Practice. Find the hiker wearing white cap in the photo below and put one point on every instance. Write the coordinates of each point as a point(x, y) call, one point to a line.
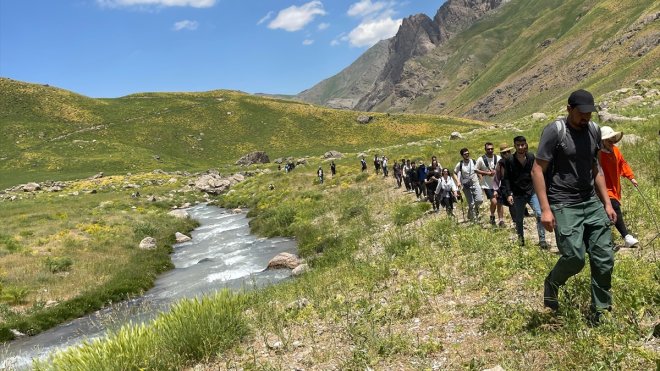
point(614, 167)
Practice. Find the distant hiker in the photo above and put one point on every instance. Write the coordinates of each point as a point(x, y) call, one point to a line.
point(501, 192)
point(398, 172)
point(383, 162)
point(279, 167)
point(614, 167)
point(466, 178)
point(414, 179)
point(486, 168)
point(363, 163)
point(406, 175)
point(447, 192)
point(421, 178)
point(333, 169)
point(435, 164)
point(518, 183)
point(431, 184)
point(377, 164)
point(568, 184)
point(319, 173)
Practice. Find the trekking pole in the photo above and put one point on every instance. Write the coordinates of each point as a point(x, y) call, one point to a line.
point(655, 223)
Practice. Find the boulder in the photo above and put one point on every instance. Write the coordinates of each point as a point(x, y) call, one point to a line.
point(180, 237)
point(237, 211)
point(364, 119)
point(455, 135)
point(284, 260)
point(539, 116)
point(299, 270)
point(257, 157)
point(635, 99)
point(181, 214)
point(97, 176)
point(301, 161)
point(31, 187)
point(212, 183)
point(148, 243)
point(333, 154)
point(630, 139)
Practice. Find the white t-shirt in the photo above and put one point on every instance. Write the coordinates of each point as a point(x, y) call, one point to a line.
point(487, 180)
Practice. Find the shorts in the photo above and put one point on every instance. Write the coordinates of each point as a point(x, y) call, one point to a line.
point(490, 193)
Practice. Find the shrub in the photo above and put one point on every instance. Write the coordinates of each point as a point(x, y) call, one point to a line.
point(56, 265)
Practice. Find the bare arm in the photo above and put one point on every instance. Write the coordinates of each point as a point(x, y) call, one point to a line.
point(547, 218)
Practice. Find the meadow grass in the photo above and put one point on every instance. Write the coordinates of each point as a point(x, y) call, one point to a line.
point(392, 287)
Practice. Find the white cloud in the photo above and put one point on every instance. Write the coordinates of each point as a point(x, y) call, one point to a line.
point(370, 32)
point(185, 25)
point(323, 26)
point(165, 3)
point(307, 42)
point(294, 18)
point(266, 17)
point(365, 7)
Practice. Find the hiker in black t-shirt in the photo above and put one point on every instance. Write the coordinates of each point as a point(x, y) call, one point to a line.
point(574, 202)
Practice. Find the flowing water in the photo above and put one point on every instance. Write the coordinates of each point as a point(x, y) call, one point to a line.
point(222, 254)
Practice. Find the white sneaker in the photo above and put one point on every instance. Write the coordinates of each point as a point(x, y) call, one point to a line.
point(630, 241)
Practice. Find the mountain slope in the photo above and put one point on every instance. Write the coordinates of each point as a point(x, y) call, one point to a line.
point(345, 89)
point(501, 60)
point(49, 132)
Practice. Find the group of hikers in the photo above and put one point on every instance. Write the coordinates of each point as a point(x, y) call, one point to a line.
point(572, 185)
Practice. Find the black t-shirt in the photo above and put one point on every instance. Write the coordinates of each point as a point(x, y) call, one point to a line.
point(569, 177)
point(432, 180)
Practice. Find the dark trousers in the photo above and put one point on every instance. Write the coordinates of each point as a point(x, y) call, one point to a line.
point(620, 225)
point(581, 229)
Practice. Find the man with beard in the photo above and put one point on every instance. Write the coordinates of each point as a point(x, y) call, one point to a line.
point(574, 203)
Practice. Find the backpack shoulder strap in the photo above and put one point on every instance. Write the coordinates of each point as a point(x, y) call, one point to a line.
point(485, 161)
point(560, 124)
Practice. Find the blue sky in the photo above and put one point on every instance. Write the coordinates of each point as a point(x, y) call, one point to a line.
point(111, 48)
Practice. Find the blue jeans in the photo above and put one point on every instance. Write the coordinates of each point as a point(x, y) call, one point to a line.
point(519, 203)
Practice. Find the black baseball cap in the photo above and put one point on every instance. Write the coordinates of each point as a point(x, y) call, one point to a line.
point(583, 100)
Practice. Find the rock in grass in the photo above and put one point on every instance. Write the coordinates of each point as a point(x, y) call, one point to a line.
point(284, 260)
point(302, 268)
point(181, 214)
point(148, 243)
point(180, 237)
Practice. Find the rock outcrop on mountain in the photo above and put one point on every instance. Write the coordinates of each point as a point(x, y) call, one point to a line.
point(488, 59)
point(373, 77)
point(345, 89)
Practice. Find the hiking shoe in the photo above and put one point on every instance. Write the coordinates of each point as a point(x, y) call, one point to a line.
point(630, 241)
point(492, 219)
point(550, 291)
point(544, 245)
point(502, 224)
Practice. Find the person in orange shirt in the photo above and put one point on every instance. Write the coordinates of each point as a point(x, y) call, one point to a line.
point(614, 167)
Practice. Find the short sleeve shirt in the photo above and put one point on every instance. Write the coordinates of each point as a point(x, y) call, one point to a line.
point(569, 178)
point(487, 180)
point(466, 171)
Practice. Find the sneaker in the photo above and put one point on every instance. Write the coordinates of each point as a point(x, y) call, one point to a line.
point(550, 291)
point(502, 224)
point(544, 245)
point(630, 241)
point(492, 219)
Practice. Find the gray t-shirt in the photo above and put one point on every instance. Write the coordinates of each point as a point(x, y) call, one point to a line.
point(569, 178)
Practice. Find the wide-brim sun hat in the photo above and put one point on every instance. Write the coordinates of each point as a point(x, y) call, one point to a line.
point(505, 148)
point(607, 132)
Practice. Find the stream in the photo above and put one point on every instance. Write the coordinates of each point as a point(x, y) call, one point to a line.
point(221, 254)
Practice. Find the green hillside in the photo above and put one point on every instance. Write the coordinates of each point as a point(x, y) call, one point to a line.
point(49, 133)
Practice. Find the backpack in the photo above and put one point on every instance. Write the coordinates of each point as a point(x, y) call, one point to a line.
point(560, 124)
point(474, 163)
point(486, 161)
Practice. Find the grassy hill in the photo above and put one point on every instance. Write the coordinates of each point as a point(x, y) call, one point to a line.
point(392, 286)
point(49, 133)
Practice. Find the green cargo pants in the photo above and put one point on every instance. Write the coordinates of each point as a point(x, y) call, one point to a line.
point(585, 227)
